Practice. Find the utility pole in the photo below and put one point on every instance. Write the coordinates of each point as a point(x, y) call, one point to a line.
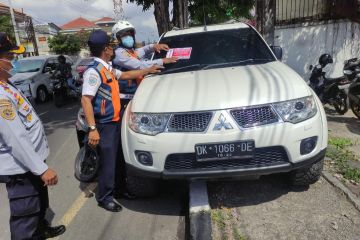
point(14, 23)
point(118, 10)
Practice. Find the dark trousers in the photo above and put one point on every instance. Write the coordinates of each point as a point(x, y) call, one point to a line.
point(29, 200)
point(108, 151)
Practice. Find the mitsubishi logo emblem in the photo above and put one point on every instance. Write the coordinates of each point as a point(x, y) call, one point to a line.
point(222, 123)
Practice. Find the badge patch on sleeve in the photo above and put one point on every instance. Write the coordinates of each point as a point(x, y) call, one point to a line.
point(8, 113)
point(93, 80)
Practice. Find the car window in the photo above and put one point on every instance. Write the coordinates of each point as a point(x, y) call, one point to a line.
point(217, 49)
point(52, 63)
point(28, 65)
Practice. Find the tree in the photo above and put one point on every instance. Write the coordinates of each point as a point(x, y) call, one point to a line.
point(6, 26)
point(214, 11)
point(65, 44)
point(219, 11)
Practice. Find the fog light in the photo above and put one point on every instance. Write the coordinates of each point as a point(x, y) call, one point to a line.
point(307, 145)
point(144, 158)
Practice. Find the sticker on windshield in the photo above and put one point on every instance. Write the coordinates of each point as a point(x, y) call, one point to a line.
point(180, 53)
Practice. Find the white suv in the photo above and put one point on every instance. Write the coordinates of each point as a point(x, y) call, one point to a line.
point(232, 109)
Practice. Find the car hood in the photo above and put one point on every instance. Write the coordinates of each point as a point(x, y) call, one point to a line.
point(18, 77)
point(220, 88)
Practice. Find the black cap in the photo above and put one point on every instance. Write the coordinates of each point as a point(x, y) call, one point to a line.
point(100, 38)
point(7, 46)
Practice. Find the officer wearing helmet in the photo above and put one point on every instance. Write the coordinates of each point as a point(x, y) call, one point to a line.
point(102, 108)
point(23, 150)
point(129, 58)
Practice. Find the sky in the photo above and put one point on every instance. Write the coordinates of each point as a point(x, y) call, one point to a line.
point(63, 11)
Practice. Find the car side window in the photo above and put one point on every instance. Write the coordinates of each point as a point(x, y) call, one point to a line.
point(50, 64)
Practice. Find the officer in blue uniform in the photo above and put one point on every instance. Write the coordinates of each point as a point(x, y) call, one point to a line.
point(23, 150)
point(102, 108)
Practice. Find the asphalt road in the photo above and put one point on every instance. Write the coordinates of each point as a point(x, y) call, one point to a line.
point(74, 204)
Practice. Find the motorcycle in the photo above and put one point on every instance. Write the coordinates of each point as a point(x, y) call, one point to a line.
point(62, 93)
point(331, 91)
point(352, 72)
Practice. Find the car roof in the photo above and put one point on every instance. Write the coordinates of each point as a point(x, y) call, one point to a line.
point(209, 28)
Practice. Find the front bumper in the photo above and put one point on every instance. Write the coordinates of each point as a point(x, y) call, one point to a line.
point(221, 173)
point(173, 153)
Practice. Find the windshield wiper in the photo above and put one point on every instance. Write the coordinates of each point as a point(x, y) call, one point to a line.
point(230, 64)
point(193, 66)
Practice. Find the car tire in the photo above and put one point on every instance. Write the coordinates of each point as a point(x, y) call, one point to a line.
point(307, 176)
point(142, 187)
point(42, 95)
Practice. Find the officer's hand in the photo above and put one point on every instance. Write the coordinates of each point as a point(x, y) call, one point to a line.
point(159, 47)
point(170, 60)
point(94, 138)
point(154, 69)
point(49, 177)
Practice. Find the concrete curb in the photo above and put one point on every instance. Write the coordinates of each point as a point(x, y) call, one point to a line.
point(339, 185)
point(199, 212)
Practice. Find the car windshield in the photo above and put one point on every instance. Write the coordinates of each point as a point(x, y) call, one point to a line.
point(216, 49)
point(26, 65)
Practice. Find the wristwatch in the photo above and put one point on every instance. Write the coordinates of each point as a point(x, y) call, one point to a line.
point(92, 128)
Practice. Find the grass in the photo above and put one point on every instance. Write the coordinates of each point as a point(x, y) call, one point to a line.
point(339, 153)
point(224, 221)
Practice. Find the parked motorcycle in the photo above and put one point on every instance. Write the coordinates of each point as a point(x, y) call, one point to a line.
point(330, 90)
point(62, 93)
point(352, 72)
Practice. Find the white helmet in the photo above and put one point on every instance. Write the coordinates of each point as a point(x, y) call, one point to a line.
point(121, 26)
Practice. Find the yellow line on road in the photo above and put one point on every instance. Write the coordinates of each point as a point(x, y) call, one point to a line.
point(76, 206)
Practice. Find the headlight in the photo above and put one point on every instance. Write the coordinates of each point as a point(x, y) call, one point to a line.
point(148, 123)
point(297, 110)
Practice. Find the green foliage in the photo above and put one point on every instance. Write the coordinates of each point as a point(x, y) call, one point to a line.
point(6, 26)
point(219, 11)
point(338, 152)
point(339, 142)
point(83, 37)
point(65, 44)
point(146, 4)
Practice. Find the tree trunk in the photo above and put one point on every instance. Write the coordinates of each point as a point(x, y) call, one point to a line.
point(181, 14)
point(265, 19)
point(162, 16)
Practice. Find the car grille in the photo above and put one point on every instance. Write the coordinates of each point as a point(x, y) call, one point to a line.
point(250, 117)
point(189, 122)
point(263, 157)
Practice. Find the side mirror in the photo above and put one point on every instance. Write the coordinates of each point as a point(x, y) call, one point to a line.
point(277, 51)
point(47, 69)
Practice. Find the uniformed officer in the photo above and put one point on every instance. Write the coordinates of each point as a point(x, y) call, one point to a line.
point(101, 105)
point(23, 150)
point(129, 58)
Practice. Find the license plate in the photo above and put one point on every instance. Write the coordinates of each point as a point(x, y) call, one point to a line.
point(229, 150)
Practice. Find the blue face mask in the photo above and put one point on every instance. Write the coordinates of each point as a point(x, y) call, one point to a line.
point(128, 41)
point(14, 64)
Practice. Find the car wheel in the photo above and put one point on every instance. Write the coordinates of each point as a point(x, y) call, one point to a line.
point(142, 187)
point(307, 176)
point(42, 95)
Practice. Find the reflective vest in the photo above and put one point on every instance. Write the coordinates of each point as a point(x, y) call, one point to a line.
point(106, 102)
point(134, 55)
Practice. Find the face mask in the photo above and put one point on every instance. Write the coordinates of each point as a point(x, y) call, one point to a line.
point(14, 65)
point(128, 41)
